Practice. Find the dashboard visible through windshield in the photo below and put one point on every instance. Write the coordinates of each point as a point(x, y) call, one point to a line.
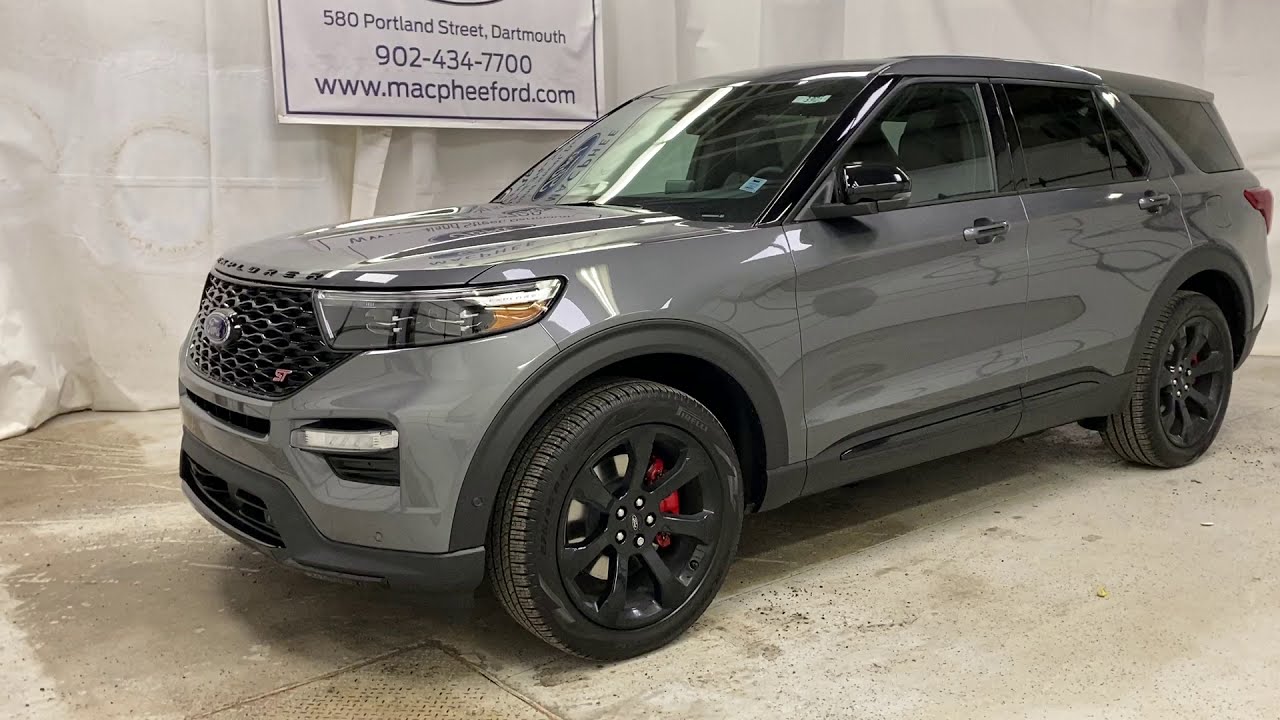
point(718, 154)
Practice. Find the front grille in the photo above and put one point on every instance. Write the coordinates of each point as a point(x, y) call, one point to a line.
point(275, 336)
point(236, 506)
point(247, 423)
point(373, 468)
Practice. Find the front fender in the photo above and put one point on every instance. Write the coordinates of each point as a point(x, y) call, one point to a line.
point(582, 359)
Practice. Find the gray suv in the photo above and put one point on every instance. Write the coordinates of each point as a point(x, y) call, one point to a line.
point(722, 296)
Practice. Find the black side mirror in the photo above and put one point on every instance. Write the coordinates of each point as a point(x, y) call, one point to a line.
point(865, 188)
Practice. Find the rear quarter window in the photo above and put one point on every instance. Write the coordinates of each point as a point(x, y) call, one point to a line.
point(1193, 125)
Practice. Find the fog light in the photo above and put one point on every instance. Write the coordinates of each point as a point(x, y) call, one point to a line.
point(345, 441)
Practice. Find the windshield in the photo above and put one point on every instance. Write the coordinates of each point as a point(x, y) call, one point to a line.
point(710, 154)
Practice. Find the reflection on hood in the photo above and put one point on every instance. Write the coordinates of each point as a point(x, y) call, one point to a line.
point(453, 244)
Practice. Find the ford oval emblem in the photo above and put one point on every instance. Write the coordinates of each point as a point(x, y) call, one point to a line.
point(219, 329)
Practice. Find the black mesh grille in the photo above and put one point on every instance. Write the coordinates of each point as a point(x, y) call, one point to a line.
point(236, 506)
point(248, 423)
point(275, 336)
point(374, 469)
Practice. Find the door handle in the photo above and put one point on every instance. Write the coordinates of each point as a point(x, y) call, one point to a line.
point(1152, 201)
point(984, 231)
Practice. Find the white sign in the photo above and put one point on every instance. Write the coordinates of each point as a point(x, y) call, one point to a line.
point(437, 63)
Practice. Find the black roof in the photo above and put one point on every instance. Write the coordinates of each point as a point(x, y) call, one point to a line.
point(958, 66)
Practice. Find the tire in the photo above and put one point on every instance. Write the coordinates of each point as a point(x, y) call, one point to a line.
point(1172, 376)
point(550, 518)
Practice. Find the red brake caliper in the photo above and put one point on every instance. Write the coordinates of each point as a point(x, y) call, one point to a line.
point(670, 505)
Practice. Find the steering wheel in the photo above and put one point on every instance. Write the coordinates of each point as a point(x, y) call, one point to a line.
point(767, 170)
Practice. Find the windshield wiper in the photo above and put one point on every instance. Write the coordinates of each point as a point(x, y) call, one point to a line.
point(588, 203)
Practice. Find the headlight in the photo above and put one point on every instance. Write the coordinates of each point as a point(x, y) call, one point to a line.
point(379, 320)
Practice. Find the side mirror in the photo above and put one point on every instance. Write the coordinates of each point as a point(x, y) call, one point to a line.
point(865, 188)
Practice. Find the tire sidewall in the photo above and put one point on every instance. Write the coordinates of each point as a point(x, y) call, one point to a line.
point(543, 524)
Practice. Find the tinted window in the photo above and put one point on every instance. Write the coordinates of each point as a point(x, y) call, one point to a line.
point(1127, 159)
point(710, 153)
point(935, 132)
point(1062, 137)
point(1192, 126)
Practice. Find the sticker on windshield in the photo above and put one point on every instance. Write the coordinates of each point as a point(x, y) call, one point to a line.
point(810, 99)
point(754, 184)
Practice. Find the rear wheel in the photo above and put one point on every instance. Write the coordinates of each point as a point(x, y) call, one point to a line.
point(617, 520)
point(1180, 389)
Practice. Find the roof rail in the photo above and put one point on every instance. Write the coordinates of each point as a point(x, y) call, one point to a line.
point(966, 66)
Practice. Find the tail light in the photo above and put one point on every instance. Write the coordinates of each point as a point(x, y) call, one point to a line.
point(1263, 201)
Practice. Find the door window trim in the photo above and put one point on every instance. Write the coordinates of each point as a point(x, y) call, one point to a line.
point(1008, 171)
point(801, 211)
point(1099, 102)
point(1162, 160)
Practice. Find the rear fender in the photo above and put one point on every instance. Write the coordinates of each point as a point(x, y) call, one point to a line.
point(1208, 256)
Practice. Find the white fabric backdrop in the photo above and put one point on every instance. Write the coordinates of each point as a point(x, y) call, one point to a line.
point(138, 141)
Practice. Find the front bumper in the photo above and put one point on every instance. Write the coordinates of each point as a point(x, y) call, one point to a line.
point(441, 400)
point(261, 512)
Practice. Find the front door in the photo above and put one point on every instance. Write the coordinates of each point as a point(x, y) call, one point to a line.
point(911, 319)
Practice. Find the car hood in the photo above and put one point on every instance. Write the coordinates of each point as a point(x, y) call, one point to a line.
point(449, 246)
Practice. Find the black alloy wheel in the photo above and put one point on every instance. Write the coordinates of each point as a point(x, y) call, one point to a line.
point(639, 521)
point(617, 519)
point(1181, 386)
point(1192, 378)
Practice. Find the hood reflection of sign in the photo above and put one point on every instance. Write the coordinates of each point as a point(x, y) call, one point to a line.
point(562, 172)
point(477, 232)
point(466, 2)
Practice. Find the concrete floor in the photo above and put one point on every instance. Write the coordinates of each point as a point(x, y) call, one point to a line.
point(970, 587)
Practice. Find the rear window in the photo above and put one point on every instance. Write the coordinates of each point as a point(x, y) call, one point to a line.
point(1062, 136)
point(1194, 127)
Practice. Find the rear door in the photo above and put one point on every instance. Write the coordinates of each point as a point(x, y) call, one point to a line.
point(911, 331)
point(1105, 225)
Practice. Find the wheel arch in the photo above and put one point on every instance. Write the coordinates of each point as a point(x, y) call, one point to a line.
point(587, 358)
point(1214, 270)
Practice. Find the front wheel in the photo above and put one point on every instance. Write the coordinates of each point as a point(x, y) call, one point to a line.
point(617, 520)
point(1181, 387)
